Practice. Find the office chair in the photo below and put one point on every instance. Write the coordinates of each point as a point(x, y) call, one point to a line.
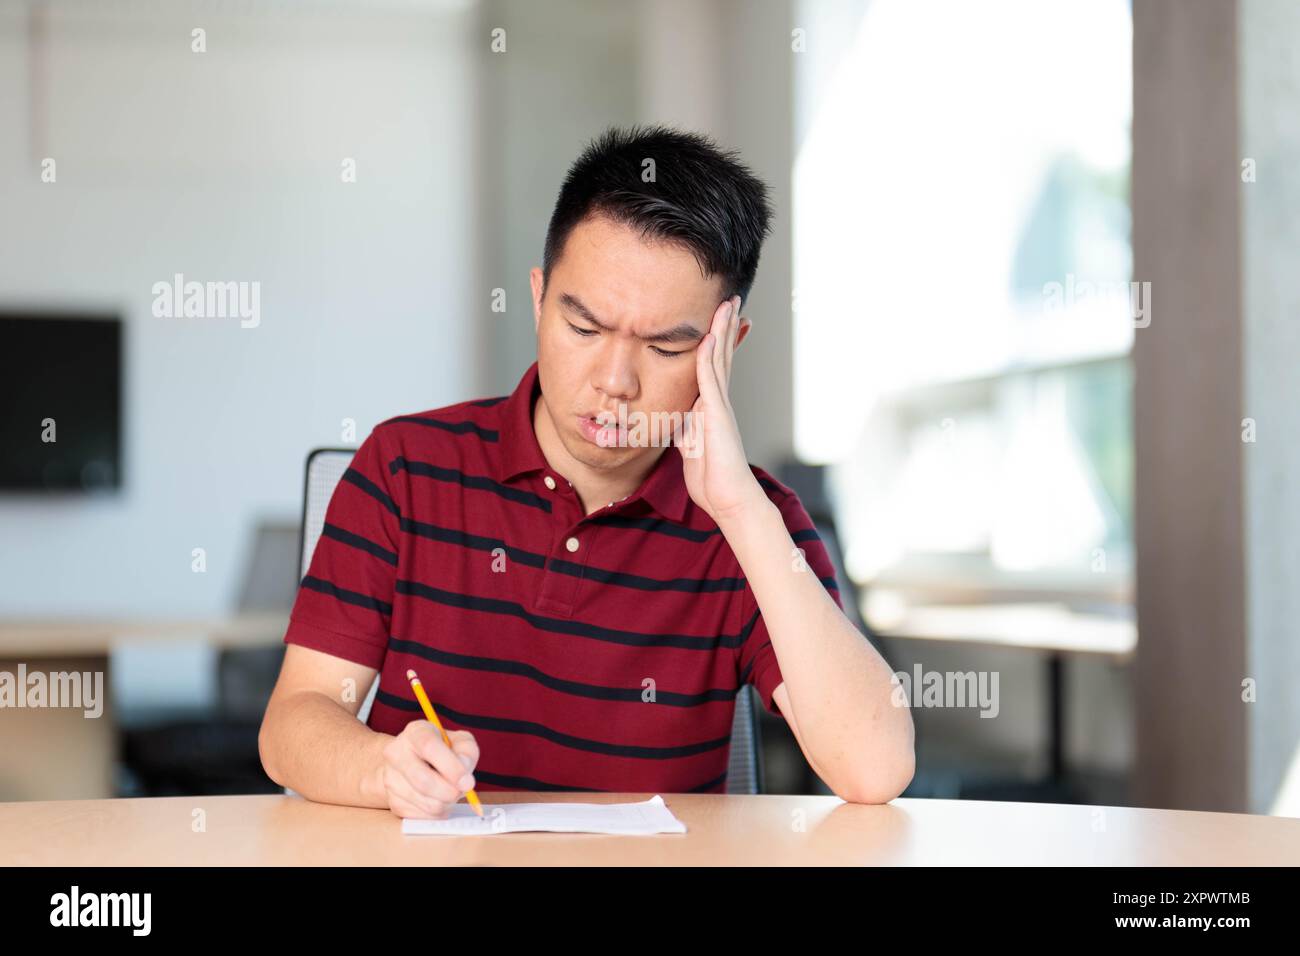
point(210, 747)
point(325, 466)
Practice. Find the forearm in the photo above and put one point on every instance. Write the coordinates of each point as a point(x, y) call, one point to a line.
point(312, 745)
point(839, 687)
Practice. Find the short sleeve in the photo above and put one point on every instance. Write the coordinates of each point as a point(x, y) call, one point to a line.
point(344, 605)
point(758, 664)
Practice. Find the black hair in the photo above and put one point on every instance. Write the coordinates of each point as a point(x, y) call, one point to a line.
point(702, 198)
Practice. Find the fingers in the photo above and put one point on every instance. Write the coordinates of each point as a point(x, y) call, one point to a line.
point(466, 747)
point(425, 781)
point(422, 772)
point(709, 367)
point(718, 348)
point(733, 333)
point(405, 801)
point(705, 372)
point(428, 745)
point(692, 433)
point(409, 811)
point(725, 329)
point(412, 788)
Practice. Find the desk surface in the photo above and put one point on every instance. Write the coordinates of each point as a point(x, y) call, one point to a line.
point(1046, 627)
point(40, 638)
point(739, 830)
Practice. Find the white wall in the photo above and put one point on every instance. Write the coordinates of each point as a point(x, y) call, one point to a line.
point(226, 165)
point(568, 71)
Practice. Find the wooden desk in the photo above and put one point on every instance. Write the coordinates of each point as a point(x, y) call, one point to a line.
point(58, 638)
point(727, 830)
point(50, 751)
point(1041, 626)
point(1050, 628)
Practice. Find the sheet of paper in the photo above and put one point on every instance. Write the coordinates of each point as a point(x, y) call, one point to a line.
point(626, 819)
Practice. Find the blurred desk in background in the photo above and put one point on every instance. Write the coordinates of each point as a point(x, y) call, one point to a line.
point(59, 752)
point(1053, 629)
point(1044, 627)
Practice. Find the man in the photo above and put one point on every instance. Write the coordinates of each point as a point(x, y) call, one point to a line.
point(582, 603)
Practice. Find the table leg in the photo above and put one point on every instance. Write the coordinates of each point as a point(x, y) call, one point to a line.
point(1056, 718)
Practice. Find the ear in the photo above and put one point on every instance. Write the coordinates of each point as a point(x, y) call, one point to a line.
point(537, 282)
point(745, 326)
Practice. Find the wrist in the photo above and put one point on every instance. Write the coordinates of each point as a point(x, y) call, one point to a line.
point(373, 791)
point(756, 509)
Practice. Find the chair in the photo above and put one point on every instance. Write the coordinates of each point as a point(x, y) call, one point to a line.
point(325, 466)
point(175, 744)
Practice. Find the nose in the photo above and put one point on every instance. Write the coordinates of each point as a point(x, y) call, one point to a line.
point(615, 370)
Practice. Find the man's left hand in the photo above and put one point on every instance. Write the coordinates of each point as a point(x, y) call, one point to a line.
point(717, 474)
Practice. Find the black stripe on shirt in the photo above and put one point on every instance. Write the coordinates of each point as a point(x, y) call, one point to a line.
point(531, 559)
point(624, 579)
point(558, 684)
point(356, 541)
point(451, 475)
point(576, 628)
point(656, 526)
point(346, 596)
point(458, 428)
point(516, 782)
point(744, 674)
point(711, 785)
point(373, 490)
point(534, 729)
point(475, 542)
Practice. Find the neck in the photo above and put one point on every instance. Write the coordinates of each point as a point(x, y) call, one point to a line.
point(595, 488)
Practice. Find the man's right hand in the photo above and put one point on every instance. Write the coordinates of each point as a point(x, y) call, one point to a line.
point(422, 776)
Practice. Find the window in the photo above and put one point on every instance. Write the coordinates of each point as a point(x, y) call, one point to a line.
point(963, 304)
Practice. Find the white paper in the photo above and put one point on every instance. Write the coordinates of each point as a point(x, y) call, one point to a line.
point(626, 819)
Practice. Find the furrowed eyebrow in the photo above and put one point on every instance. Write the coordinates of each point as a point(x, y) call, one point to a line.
point(685, 332)
point(574, 304)
point(681, 333)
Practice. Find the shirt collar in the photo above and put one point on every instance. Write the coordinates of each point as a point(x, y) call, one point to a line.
point(664, 488)
point(520, 452)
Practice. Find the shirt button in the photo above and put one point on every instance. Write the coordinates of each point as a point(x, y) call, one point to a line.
point(550, 482)
point(572, 544)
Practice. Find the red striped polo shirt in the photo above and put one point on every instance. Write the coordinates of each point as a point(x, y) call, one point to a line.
point(596, 652)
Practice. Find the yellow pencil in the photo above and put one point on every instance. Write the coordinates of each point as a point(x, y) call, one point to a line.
point(423, 698)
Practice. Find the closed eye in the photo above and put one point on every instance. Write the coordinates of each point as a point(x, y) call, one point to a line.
point(585, 333)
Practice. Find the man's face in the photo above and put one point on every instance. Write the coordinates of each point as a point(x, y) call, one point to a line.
point(610, 295)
